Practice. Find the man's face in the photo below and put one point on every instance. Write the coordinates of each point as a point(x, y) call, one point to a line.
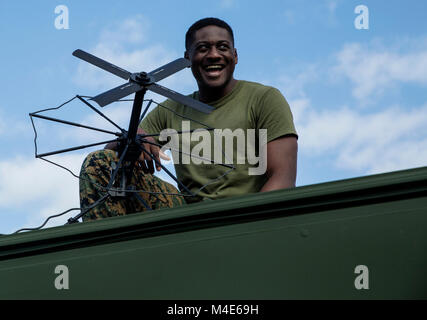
point(213, 57)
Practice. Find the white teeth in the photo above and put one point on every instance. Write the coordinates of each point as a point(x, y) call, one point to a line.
point(214, 67)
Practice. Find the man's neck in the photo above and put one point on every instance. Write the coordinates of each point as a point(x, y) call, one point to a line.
point(209, 94)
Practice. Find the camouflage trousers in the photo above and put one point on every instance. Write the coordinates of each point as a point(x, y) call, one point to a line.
point(94, 178)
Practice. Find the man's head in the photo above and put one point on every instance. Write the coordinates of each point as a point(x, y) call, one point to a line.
point(189, 36)
point(210, 48)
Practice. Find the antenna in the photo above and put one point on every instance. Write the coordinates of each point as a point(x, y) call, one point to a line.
point(130, 144)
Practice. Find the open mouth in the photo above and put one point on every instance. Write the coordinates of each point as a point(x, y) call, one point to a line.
point(213, 69)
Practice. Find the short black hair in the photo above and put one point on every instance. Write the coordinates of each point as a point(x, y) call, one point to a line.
point(189, 36)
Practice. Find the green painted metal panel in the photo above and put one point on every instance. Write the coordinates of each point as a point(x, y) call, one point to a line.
point(303, 243)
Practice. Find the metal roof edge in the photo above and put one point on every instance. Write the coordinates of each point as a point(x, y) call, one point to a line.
point(252, 207)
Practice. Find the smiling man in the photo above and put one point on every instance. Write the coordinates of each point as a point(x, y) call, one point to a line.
point(257, 114)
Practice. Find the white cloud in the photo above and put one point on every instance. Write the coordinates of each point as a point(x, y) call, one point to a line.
point(374, 70)
point(295, 86)
point(392, 139)
point(132, 30)
point(26, 180)
point(39, 187)
point(299, 107)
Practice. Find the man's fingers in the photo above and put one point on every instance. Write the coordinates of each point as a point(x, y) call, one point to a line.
point(143, 156)
point(147, 161)
point(144, 159)
point(155, 152)
point(143, 165)
point(164, 156)
point(150, 166)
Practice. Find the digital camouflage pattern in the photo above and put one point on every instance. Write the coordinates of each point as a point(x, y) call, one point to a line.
point(94, 177)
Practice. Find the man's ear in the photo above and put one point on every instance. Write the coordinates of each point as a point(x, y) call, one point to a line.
point(235, 56)
point(186, 56)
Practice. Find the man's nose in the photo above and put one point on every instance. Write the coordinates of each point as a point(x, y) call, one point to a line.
point(213, 53)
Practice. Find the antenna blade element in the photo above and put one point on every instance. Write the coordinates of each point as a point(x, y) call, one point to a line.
point(169, 69)
point(195, 104)
point(116, 93)
point(102, 64)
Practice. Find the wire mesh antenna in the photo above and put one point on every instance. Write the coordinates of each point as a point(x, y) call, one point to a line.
point(109, 190)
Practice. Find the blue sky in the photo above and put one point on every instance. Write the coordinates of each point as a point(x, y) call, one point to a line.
point(358, 96)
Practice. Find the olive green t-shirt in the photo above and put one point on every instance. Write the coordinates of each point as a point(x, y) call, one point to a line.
point(241, 114)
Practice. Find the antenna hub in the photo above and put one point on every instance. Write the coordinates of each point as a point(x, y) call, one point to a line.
point(142, 78)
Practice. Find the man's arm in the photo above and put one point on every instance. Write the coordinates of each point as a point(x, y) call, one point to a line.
point(281, 163)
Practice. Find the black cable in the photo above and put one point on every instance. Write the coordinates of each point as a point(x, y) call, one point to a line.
point(86, 210)
point(44, 223)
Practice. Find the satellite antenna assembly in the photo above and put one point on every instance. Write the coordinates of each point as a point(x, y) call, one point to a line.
point(130, 144)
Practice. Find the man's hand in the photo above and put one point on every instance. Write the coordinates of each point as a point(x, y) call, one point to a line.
point(146, 162)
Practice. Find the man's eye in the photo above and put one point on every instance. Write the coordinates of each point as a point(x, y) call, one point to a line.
point(202, 48)
point(223, 47)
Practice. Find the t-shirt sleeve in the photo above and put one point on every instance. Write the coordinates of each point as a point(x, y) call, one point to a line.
point(274, 114)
